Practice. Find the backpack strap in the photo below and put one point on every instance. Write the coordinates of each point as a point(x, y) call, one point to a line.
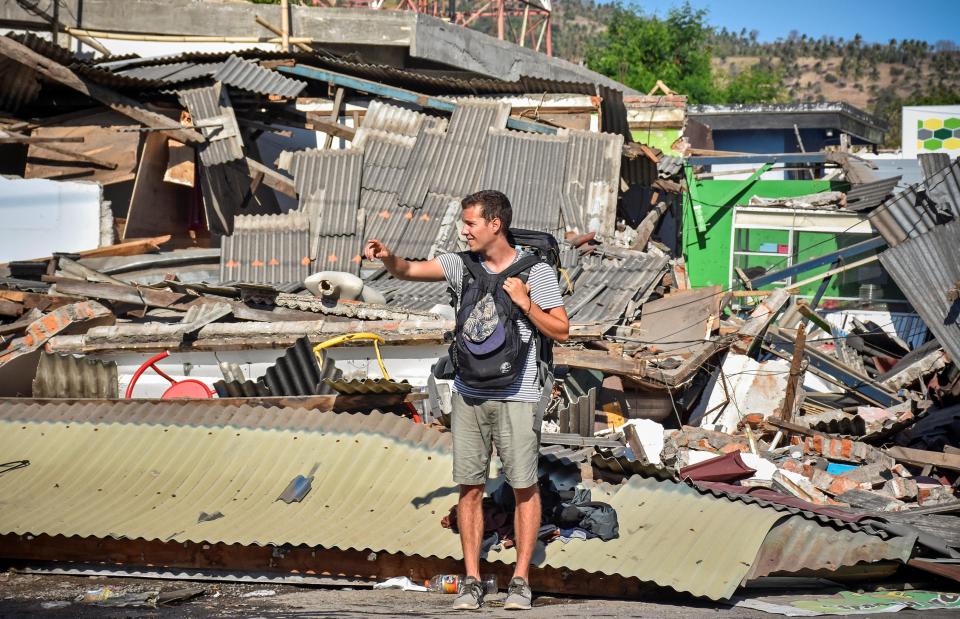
point(521, 268)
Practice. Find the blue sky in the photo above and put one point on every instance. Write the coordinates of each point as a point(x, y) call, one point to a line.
point(875, 20)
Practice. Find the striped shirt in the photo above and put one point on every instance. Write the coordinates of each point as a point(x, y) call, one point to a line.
point(545, 292)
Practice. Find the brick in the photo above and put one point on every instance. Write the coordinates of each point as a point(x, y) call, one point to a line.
point(731, 447)
point(901, 488)
point(899, 469)
point(872, 474)
point(800, 487)
point(839, 485)
point(941, 495)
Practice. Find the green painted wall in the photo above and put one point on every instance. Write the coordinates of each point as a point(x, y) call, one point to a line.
point(708, 254)
point(658, 138)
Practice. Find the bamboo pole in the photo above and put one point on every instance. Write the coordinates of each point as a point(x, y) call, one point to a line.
point(285, 25)
point(278, 32)
point(179, 38)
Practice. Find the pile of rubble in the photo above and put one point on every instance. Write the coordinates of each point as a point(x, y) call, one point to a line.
point(224, 253)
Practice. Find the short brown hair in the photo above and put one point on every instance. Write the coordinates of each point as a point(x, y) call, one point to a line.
point(493, 205)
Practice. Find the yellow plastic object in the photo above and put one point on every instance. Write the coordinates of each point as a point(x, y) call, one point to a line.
point(349, 337)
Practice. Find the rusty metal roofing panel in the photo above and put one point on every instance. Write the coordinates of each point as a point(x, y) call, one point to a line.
point(925, 267)
point(246, 75)
point(212, 105)
point(267, 249)
point(66, 376)
point(152, 481)
point(526, 167)
point(368, 386)
point(604, 288)
point(797, 544)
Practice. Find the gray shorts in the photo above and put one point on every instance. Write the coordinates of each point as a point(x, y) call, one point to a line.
point(480, 424)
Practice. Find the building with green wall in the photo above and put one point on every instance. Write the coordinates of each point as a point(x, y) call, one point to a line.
point(721, 233)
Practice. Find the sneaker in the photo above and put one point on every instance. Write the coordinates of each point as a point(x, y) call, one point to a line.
point(519, 595)
point(471, 594)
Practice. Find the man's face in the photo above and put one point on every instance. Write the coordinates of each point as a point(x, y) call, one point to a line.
point(479, 232)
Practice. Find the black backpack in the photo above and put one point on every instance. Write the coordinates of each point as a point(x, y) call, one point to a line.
point(501, 367)
point(541, 244)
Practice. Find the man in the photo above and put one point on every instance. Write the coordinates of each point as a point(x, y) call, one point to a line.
point(504, 416)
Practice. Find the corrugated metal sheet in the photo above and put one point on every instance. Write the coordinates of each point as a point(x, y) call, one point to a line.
point(66, 376)
point(340, 253)
point(21, 85)
point(267, 249)
point(578, 416)
point(250, 76)
point(386, 221)
point(425, 163)
point(866, 196)
point(397, 120)
point(669, 166)
point(348, 309)
point(47, 48)
point(796, 544)
point(931, 163)
point(604, 288)
point(451, 163)
point(413, 295)
point(908, 214)
point(152, 481)
point(592, 158)
point(942, 185)
point(525, 167)
point(385, 157)
point(368, 386)
point(925, 267)
point(175, 73)
point(240, 389)
point(297, 372)
point(212, 104)
point(328, 182)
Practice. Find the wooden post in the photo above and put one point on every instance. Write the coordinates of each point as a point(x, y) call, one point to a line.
point(796, 371)
point(334, 117)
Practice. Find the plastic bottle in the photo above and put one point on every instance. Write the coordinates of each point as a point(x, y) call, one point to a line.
point(450, 583)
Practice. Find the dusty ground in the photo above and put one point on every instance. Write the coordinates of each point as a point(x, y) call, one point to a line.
point(24, 595)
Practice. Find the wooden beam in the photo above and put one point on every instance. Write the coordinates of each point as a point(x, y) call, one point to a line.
point(133, 247)
point(322, 123)
point(920, 457)
point(43, 143)
point(796, 372)
point(334, 116)
point(120, 103)
point(789, 426)
point(271, 178)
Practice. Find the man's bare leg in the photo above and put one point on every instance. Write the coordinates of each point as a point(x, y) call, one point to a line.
point(470, 521)
point(526, 524)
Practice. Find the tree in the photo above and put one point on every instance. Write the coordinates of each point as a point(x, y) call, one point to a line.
point(761, 83)
point(638, 50)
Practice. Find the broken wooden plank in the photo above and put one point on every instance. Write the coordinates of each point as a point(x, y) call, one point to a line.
point(17, 138)
point(40, 145)
point(157, 206)
point(123, 104)
point(920, 457)
point(271, 178)
point(796, 372)
point(334, 116)
point(132, 247)
point(181, 164)
point(321, 123)
point(10, 309)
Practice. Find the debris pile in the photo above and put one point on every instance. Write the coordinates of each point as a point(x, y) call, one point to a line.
point(209, 214)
